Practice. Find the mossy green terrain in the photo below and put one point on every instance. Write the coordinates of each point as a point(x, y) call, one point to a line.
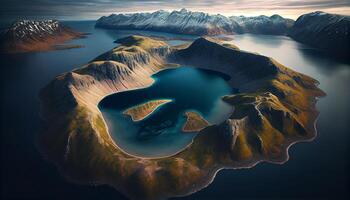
point(274, 109)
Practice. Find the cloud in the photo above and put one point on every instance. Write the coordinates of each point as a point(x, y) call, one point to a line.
point(69, 9)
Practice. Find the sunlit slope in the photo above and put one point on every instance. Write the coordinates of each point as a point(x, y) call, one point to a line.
point(140, 112)
point(194, 122)
point(274, 109)
point(28, 36)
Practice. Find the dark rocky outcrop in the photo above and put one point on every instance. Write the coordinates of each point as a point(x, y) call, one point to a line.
point(328, 32)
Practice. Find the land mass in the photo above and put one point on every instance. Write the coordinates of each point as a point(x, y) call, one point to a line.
point(140, 112)
point(194, 122)
point(197, 23)
point(274, 109)
point(328, 32)
point(28, 36)
point(324, 31)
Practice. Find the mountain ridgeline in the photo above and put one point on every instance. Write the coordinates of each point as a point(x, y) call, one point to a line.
point(197, 23)
point(329, 32)
point(324, 31)
point(274, 109)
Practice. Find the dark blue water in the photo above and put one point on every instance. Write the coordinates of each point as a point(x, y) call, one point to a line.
point(318, 169)
point(160, 134)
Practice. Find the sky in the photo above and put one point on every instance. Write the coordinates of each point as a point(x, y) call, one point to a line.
point(93, 9)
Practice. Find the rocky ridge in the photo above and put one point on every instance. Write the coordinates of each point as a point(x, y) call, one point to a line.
point(328, 32)
point(29, 35)
point(275, 108)
point(197, 23)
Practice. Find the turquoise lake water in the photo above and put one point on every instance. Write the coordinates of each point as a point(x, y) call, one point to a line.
point(160, 134)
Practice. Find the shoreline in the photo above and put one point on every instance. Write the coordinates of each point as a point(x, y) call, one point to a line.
point(138, 88)
point(143, 87)
point(254, 162)
point(192, 116)
point(136, 119)
point(206, 155)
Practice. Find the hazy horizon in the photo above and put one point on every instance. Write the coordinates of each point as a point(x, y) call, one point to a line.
point(93, 9)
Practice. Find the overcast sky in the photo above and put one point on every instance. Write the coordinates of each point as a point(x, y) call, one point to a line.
point(92, 9)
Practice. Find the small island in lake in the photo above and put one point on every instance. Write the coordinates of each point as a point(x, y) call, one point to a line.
point(140, 112)
point(194, 122)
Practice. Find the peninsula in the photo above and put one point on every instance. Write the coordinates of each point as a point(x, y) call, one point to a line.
point(194, 122)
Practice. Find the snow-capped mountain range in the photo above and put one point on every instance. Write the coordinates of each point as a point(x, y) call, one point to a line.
point(197, 23)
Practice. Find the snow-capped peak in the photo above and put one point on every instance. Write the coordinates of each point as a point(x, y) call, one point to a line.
point(184, 10)
point(25, 28)
point(199, 23)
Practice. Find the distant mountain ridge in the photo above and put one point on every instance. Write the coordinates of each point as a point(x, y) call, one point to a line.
point(329, 32)
point(274, 25)
point(30, 35)
point(197, 23)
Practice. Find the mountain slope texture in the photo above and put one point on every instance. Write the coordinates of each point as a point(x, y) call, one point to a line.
point(197, 23)
point(28, 35)
point(329, 32)
point(274, 109)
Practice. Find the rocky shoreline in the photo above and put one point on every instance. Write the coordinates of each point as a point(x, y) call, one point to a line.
point(274, 109)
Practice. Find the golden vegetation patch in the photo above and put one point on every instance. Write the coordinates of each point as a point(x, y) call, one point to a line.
point(194, 122)
point(140, 41)
point(140, 112)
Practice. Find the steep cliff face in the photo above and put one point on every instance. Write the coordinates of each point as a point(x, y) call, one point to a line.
point(276, 108)
point(27, 35)
point(329, 32)
point(197, 23)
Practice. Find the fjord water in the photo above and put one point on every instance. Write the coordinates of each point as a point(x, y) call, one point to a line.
point(317, 169)
point(160, 133)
